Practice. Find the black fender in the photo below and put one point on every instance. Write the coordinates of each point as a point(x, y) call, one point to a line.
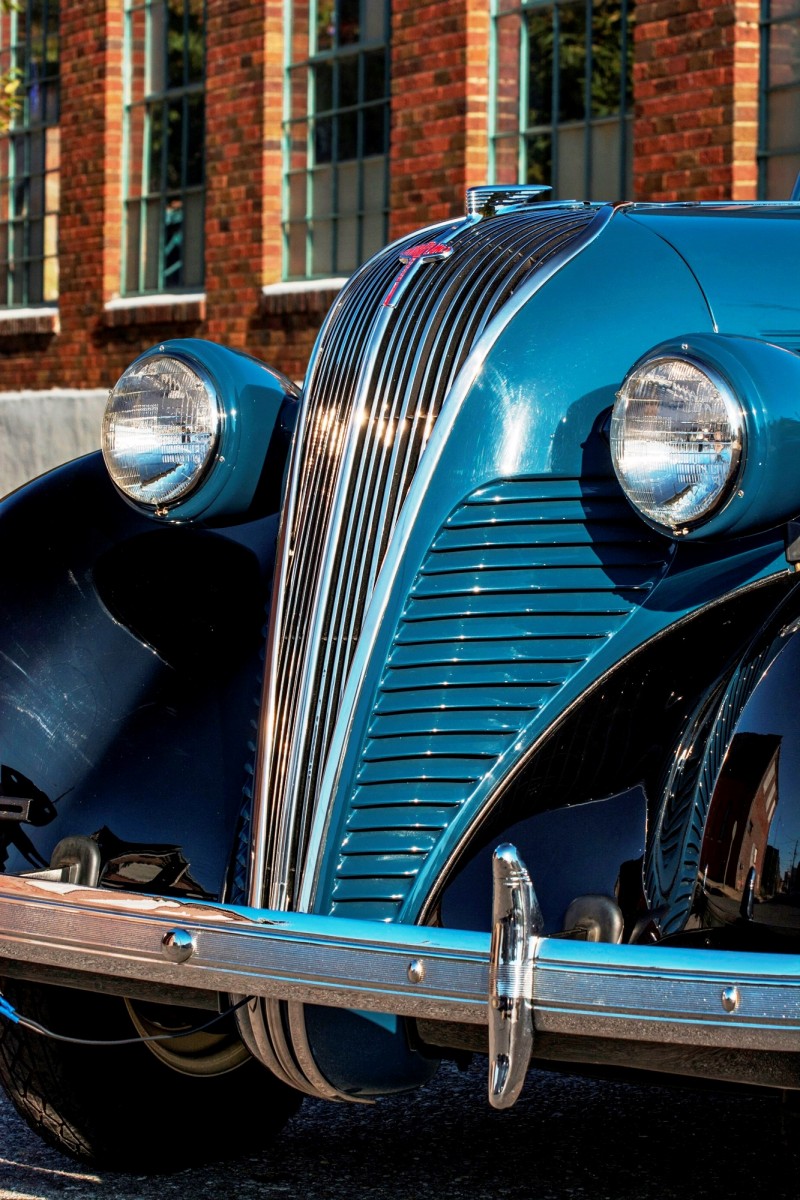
point(747, 890)
point(130, 657)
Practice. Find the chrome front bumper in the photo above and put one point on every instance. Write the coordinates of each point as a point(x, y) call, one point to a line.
point(517, 983)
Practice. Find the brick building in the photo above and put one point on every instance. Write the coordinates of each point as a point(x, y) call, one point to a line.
point(178, 168)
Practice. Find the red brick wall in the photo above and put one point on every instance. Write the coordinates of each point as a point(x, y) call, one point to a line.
point(695, 136)
point(440, 64)
point(696, 99)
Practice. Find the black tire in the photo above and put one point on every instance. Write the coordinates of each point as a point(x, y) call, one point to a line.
point(119, 1106)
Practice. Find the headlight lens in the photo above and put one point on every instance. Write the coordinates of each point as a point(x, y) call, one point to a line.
point(676, 440)
point(161, 430)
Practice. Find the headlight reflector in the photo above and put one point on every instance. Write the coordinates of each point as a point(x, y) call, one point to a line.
point(161, 430)
point(676, 440)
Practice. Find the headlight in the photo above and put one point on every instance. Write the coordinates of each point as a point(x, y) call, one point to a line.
point(161, 430)
point(676, 440)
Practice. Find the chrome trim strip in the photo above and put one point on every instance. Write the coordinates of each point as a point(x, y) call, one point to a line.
point(385, 582)
point(653, 993)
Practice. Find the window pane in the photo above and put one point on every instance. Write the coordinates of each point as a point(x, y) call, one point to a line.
point(606, 154)
point(347, 109)
point(784, 118)
point(556, 67)
point(29, 158)
point(165, 133)
point(572, 63)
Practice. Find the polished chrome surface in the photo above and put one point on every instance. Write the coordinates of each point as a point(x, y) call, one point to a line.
point(178, 945)
point(655, 994)
point(423, 480)
point(516, 919)
point(489, 200)
point(373, 398)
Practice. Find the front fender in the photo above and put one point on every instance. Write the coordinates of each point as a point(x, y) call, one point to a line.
point(129, 664)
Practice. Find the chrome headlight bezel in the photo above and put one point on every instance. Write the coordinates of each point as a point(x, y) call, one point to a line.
point(680, 494)
point(190, 442)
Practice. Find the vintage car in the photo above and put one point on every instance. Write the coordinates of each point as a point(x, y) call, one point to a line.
point(446, 706)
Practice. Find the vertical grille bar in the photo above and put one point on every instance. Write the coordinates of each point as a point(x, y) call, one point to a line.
point(380, 378)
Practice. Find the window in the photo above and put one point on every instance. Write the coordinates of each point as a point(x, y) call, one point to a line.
point(29, 157)
point(561, 94)
point(336, 135)
point(779, 125)
point(164, 146)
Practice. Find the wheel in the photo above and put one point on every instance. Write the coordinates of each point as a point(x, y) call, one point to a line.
point(142, 1107)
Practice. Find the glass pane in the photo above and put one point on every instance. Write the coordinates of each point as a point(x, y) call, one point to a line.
point(540, 70)
point(606, 147)
point(195, 42)
point(152, 245)
point(173, 244)
point(509, 76)
point(375, 21)
point(195, 116)
point(155, 173)
point(35, 239)
point(322, 248)
point(571, 163)
point(193, 240)
point(175, 145)
point(783, 115)
point(782, 171)
point(539, 158)
point(323, 84)
point(347, 248)
point(347, 127)
point(326, 25)
point(348, 23)
point(607, 57)
point(156, 42)
point(297, 250)
point(373, 234)
point(572, 63)
point(348, 189)
point(374, 74)
point(135, 150)
point(784, 53)
point(322, 193)
point(323, 140)
point(374, 176)
point(176, 76)
point(132, 283)
point(375, 124)
point(297, 197)
point(348, 81)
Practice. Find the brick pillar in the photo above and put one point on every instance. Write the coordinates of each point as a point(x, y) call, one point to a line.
point(243, 176)
point(439, 141)
point(696, 99)
point(89, 219)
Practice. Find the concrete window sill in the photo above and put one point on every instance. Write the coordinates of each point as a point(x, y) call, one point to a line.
point(168, 308)
point(21, 322)
point(304, 296)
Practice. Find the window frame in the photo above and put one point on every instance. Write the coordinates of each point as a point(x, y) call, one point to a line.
point(153, 279)
point(17, 221)
point(767, 153)
point(313, 119)
point(525, 131)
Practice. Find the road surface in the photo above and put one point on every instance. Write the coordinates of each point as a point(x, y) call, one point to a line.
point(566, 1137)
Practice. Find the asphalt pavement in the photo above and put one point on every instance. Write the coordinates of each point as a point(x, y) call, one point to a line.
point(566, 1137)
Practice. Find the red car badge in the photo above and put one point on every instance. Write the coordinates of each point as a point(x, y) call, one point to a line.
point(423, 252)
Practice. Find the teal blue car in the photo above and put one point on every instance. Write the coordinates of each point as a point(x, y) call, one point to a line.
point(446, 705)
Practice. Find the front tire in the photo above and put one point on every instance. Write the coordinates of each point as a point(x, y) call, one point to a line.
point(123, 1107)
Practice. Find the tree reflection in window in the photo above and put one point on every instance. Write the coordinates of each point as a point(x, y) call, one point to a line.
point(29, 155)
point(164, 145)
point(561, 77)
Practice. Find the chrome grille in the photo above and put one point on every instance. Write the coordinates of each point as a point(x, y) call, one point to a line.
point(378, 383)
